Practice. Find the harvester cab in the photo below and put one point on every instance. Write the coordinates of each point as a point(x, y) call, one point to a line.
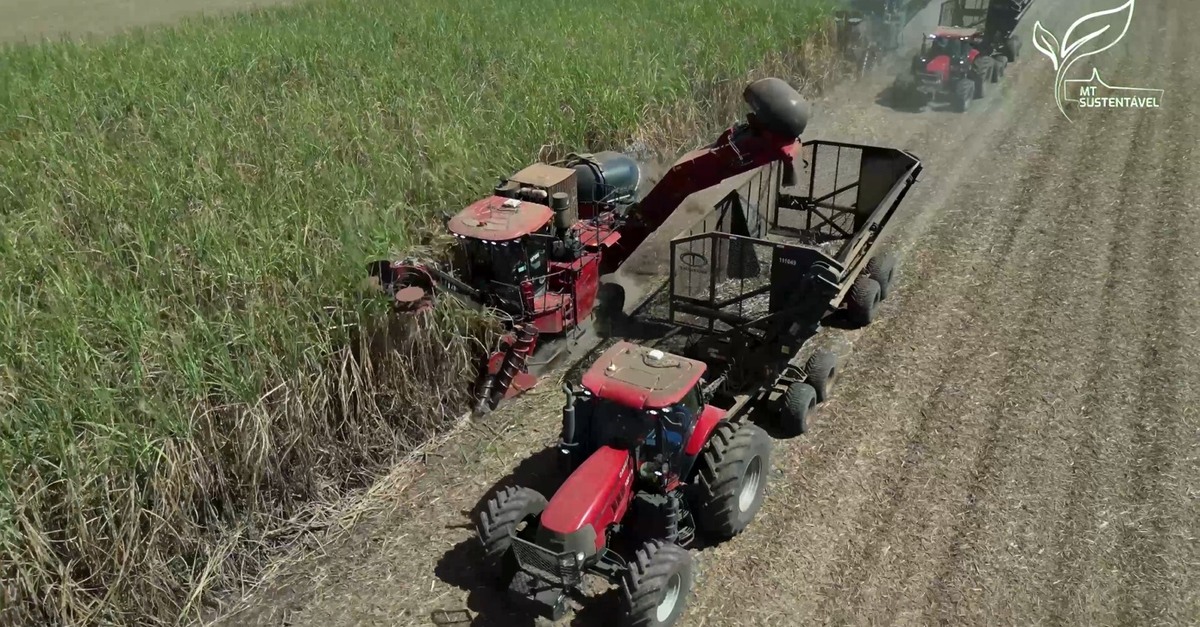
point(650, 464)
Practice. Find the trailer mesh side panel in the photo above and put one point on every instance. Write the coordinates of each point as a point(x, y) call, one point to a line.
point(720, 281)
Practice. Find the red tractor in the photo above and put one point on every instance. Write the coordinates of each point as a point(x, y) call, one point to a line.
point(650, 463)
point(656, 446)
point(536, 250)
point(969, 51)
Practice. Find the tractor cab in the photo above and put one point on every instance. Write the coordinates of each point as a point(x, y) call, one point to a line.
point(946, 52)
point(642, 400)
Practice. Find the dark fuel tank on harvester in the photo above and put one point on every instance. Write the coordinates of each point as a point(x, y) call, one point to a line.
point(607, 177)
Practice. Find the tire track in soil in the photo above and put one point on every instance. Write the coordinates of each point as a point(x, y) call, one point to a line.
point(1028, 435)
point(1163, 388)
point(975, 231)
point(1098, 428)
point(1010, 302)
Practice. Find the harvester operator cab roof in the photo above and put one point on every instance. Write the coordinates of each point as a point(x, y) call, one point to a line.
point(505, 242)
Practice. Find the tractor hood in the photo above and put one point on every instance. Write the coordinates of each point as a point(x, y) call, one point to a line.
point(593, 497)
point(938, 65)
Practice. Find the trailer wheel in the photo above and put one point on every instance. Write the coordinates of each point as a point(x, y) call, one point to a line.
point(985, 71)
point(799, 400)
point(864, 301)
point(964, 93)
point(1014, 48)
point(822, 372)
point(655, 589)
point(511, 512)
point(1001, 64)
point(882, 268)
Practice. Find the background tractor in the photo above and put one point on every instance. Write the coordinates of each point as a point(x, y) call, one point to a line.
point(970, 50)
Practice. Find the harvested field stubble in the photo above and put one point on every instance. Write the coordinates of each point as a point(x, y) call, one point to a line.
point(187, 216)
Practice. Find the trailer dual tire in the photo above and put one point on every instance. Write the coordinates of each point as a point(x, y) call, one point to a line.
point(865, 296)
point(821, 372)
point(502, 519)
point(655, 589)
point(799, 401)
point(882, 268)
point(731, 479)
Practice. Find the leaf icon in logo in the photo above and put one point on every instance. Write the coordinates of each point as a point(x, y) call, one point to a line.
point(1046, 43)
point(1101, 37)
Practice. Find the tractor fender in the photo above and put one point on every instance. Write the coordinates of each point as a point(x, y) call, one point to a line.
point(595, 496)
point(710, 417)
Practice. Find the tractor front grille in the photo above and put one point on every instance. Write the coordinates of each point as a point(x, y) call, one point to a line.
point(551, 567)
point(929, 79)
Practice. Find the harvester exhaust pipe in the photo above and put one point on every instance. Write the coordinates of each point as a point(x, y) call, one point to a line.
point(568, 427)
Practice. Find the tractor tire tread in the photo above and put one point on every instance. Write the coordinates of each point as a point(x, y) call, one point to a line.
point(653, 564)
point(503, 513)
point(718, 474)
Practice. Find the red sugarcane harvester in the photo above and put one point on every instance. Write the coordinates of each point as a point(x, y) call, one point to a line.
point(970, 50)
point(657, 446)
point(535, 250)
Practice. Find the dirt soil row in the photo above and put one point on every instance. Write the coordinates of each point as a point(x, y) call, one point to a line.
point(1015, 442)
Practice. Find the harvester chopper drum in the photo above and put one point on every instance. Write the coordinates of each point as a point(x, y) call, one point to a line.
point(536, 250)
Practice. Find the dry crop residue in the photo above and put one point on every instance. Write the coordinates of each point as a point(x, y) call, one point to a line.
point(1015, 442)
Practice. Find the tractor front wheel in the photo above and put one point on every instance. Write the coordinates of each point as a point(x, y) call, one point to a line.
point(655, 589)
point(731, 479)
point(511, 512)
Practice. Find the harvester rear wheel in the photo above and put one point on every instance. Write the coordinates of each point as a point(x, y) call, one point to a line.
point(511, 512)
point(882, 268)
point(865, 297)
point(731, 479)
point(799, 400)
point(822, 372)
point(655, 589)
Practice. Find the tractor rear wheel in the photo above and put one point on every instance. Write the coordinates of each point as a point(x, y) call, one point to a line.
point(864, 301)
point(964, 93)
point(985, 71)
point(511, 512)
point(821, 372)
point(655, 589)
point(798, 402)
point(731, 479)
point(882, 268)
